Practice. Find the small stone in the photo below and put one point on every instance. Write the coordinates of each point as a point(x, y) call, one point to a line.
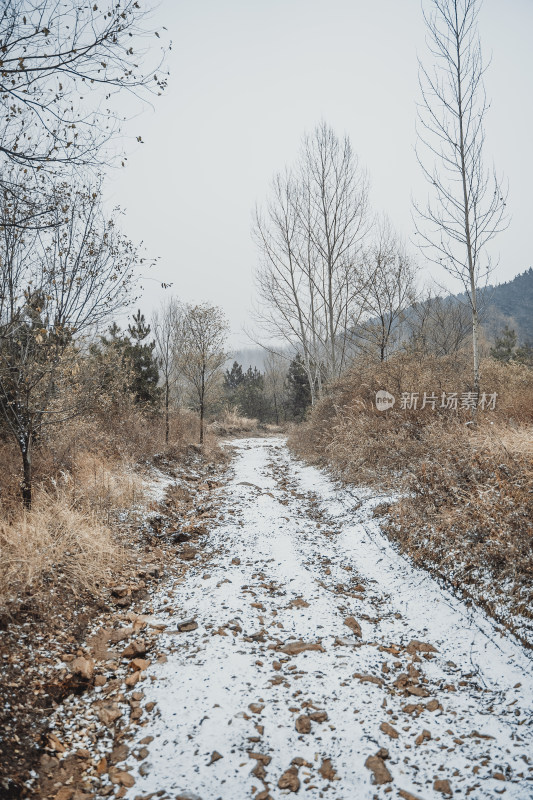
point(135, 649)
point(119, 591)
point(352, 623)
point(84, 667)
point(290, 780)
point(319, 716)
point(140, 663)
point(380, 772)
point(215, 756)
point(389, 730)
point(108, 714)
point(100, 680)
point(443, 786)
point(132, 679)
point(187, 625)
point(326, 769)
point(303, 724)
point(256, 708)
point(424, 736)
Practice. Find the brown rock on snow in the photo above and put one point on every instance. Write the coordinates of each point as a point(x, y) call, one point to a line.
point(380, 772)
point(352, 623)
point(132, 679)
point(290, 780)
point(188, 555)
point(294, 648)
point(215, 756)
point(187, 625)
point(415, 646)
point(326, 770)
point(319, 716)
point(121, 778)
point(260, 757)
point(134, 649)
point(303, 724)
point(407, 795)
point(443, 786)
point(368, 678)
point(139, 663)
point(424, 736)
point(389, 730)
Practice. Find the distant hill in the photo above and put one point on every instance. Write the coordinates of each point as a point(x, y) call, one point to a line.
point(510, 304)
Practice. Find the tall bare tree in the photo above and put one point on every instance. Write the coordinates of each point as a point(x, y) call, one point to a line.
point(310, 236)
point(167, 327)
point(203, 354)
point(60, 62)
point(468, 207)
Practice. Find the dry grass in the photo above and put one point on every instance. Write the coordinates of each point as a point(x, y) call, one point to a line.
point(231, 423)
point(54, 542)
point(84, 475)
point(467, 508)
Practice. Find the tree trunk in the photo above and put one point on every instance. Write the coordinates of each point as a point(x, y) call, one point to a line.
point(202, 397)
point(26, 485)
point(167, 423)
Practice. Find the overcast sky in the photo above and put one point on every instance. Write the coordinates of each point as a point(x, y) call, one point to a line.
point(249, 77)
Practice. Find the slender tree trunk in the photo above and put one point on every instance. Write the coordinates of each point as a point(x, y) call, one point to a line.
point(26, 486)
point(202, 396)
point(468, 234)
point(167, 422)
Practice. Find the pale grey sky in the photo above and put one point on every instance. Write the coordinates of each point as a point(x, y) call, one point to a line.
point(249, 77)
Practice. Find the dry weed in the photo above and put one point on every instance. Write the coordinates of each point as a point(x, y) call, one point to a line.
point(54, 542)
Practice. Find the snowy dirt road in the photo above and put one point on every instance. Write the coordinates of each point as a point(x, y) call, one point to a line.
point(323, 663)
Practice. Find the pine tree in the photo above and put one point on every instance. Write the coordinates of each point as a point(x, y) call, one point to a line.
point(137, 357)
point(504, 346)
point(298, 389)
point(251, 395)
point(140, 354)
point(233, 378)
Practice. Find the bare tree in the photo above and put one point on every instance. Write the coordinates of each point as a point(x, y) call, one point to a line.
point(275, 383)
point(53, 57)
point(438, 325)
point(468, 209)
point(390, 288)
point(55, 283)
point(205, 330)
point(167, 327)
point(309, 237)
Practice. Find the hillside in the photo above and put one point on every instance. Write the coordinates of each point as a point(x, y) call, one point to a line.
point(510, 304)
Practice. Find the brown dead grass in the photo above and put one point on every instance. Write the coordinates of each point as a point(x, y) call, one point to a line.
point(55, 541)
point(467, 507)
point(84, 476)
point(231, 423)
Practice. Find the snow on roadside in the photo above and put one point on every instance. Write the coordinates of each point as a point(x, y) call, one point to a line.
point(291, 561)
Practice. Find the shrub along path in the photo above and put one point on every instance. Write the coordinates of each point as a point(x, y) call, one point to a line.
point(301, 654)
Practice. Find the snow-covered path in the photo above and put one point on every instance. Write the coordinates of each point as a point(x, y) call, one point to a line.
point(318, 647)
